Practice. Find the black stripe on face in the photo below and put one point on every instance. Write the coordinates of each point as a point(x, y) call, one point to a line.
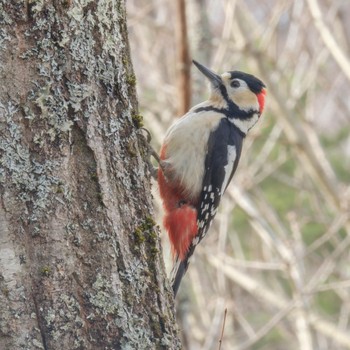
point(224, 93)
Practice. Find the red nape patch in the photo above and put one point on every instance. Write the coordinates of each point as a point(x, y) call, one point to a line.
point(261, 99)
point(181, 224)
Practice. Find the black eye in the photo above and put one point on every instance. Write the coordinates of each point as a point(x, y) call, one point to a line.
point(235, 84)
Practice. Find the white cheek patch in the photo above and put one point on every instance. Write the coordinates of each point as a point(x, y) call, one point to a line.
point(245, 99)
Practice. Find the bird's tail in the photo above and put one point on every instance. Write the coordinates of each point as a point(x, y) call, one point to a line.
point(181, 224)
point(178, 271)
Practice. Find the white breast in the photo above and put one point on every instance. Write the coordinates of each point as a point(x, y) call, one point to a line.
point(187, 141)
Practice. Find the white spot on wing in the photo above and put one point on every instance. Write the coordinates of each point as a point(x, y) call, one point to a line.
point(231, 157)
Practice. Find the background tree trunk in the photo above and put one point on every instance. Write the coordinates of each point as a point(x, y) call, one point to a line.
point(80, 259)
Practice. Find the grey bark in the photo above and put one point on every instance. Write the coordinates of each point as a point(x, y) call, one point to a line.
point(80, 258)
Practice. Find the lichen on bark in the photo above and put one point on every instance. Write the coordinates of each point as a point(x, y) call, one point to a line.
point(74, 186)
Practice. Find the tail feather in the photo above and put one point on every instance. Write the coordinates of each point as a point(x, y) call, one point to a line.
point(181, 224)
point(178, 271)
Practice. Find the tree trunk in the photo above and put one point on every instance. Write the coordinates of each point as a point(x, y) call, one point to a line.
point(80, 258)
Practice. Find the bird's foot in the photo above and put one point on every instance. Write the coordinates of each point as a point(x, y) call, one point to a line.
point(146, 142)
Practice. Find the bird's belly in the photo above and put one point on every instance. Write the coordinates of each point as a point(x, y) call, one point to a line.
point(186, 150)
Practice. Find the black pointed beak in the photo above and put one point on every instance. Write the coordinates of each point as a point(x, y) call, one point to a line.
point(214, 78)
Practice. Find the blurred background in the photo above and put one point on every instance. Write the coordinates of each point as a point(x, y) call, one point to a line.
point(277, 257)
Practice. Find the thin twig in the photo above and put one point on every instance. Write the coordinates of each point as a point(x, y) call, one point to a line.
point(328, 38)
point(222, 329)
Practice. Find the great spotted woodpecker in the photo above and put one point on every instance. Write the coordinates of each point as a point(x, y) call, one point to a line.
point(199, 156)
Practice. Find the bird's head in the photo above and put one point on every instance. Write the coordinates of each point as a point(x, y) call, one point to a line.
point(241, 94)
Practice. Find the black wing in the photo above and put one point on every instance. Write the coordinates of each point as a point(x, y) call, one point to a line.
point(224, 151)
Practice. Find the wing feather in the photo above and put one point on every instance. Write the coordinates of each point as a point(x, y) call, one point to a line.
point(224, 151)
